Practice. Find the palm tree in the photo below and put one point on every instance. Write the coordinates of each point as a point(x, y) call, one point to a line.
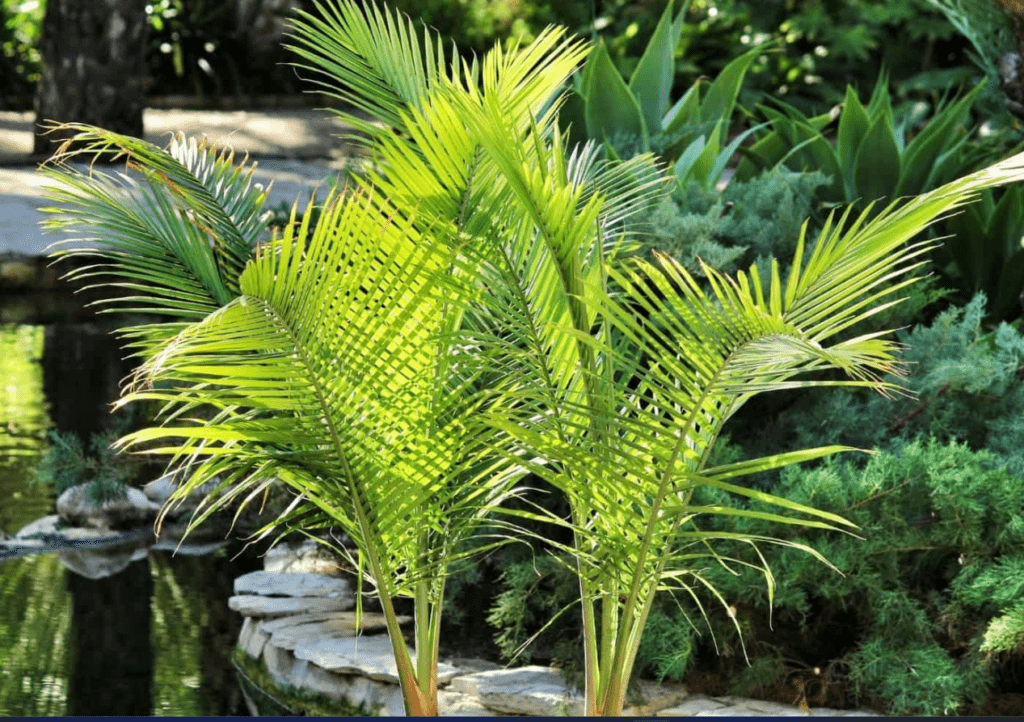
point(471, 313)
point(335, 362)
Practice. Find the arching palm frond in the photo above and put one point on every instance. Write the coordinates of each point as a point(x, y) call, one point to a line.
point(378, 61)
point(173, 232)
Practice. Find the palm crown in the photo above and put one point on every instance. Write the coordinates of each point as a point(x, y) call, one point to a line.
point(467, 314)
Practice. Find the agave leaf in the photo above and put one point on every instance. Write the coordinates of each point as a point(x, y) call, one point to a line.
point(880, 102)
point(727, 153)
point(685, 111)
point(853, 128)
point(877, 164)
point(651, 82)
point(611, 108)
point(720, 99)
point(938, 136)
point(704, 164)
point(1008, 302)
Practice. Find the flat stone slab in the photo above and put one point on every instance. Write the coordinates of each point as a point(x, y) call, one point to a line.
point(654, 697)
point(742, 710)
point(693, 706)
point(277, 584)
point(535, 691)
point(292, 630)
point(256, 606)
point(367, 655)
point(454, 704)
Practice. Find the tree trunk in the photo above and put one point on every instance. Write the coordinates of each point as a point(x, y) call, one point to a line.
point(94, 54)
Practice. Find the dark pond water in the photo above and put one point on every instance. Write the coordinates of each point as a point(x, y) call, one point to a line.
point(153, 639)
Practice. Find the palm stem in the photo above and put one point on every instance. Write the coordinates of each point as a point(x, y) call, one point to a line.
point(591, 658)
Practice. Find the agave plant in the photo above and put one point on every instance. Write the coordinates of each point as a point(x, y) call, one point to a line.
point(874, 156)
point(691, 135)
point(986, 247)
point(468, 314)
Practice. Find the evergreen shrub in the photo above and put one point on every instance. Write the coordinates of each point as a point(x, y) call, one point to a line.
point(744, 223)
point(937, 574)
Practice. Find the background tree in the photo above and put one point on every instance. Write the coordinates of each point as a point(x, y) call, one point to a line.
point(93, 52)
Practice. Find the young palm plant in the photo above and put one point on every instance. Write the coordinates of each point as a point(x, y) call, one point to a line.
point(332, 359)
point(630, 369)
point(469, 314)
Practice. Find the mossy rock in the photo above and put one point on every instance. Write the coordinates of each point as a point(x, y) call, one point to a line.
point(271, 699)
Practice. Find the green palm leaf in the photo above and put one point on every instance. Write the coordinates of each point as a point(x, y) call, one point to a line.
point(173, 233)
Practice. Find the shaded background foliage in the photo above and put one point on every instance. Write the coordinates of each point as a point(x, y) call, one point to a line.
point(227, 48)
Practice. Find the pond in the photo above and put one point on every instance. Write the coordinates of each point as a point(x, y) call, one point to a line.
point(153, 639)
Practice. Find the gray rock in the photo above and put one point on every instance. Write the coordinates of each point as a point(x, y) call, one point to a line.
point(382, 697)
point(279, 663)
point(692, 706)
point(245, 633)
point(741, 710)
point(536, 691)
point(76, 508)
point(304, 675)
point(102, 563)
point(276, 584)
point(776, 709)
point(255, 606)
point(368, 655)
point(285, 669)
point(385, 698)
point(308, 557)
point(252, 639)
point(455, 704)
point(654, 697)
point(293, 630)
point(159, 491)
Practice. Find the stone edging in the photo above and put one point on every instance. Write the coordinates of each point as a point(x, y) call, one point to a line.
point(298, 624)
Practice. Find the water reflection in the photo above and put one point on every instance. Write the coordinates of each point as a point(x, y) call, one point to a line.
point(154, 638)
point(35, 620)
point(24, 420)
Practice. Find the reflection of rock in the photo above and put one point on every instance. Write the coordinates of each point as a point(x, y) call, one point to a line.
point(50, 535)
point(187, 547)
point(76, 508)
point(100, 563)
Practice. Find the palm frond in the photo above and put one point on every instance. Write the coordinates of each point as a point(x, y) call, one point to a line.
point(173, 232)
point(326, 365)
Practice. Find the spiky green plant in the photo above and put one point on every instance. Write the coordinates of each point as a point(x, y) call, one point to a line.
point(630, 118)
point(467, 315)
